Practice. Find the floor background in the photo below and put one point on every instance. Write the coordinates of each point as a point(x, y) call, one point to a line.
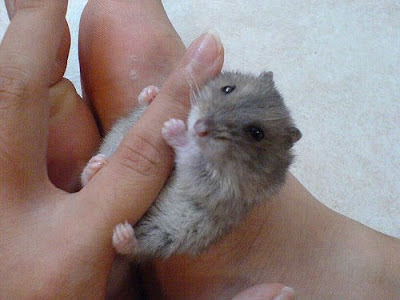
point(337, 64)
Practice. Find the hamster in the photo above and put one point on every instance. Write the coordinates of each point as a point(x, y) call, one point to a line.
point(233, 152)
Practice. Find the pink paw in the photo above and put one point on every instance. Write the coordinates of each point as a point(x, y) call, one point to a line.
point(93, 166)
point(124, 240)
point(174, 132)
point(148, 94)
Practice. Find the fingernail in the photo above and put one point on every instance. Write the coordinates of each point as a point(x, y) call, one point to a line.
point(287, 293)
point(206, 48)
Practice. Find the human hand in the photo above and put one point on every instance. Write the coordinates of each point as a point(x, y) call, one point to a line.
point(54, 243)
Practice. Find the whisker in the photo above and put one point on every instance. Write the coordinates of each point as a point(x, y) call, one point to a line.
point(194, 88)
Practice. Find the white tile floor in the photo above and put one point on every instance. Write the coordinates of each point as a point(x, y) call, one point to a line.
point(337, 63)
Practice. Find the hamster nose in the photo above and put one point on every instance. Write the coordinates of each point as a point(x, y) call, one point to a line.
point(201, 128)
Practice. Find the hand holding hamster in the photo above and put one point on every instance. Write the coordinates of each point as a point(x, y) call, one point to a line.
point(235, 152)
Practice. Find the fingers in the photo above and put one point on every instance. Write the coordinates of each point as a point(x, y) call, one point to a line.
point(63, 51)
point(137, 171)
point(73, 136)
point(124, 46)
point(272, 291)
point(27, 56)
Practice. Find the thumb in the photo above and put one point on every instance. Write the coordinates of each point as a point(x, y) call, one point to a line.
point(125, 188)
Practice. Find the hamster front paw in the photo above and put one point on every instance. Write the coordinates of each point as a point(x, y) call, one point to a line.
point(148, 94)
point(93, 166)
point(174, 132)
point(124, 240)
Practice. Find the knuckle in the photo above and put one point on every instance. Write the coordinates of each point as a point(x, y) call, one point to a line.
point(141, 156)
point(49, 7)
point(33, 4)
point(14, 86)
point(177, 89)
point(173, 105)
point(180, 98)
point(6, 153)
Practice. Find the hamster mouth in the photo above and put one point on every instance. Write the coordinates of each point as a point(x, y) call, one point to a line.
point(222, 138)
point(212, 146)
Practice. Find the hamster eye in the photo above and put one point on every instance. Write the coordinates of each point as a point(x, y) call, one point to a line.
point(228, 89)
point(256, 132)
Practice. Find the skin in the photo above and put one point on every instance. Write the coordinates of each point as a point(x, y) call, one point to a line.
point(293, 239)
point(56, 243)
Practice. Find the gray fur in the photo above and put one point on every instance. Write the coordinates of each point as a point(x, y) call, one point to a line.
point(119, 130)
point(219, 178)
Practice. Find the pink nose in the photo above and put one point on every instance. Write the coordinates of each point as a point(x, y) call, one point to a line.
point(201, 128)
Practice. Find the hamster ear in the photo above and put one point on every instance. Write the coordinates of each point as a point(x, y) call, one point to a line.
point(267, 76)
point(291, 136)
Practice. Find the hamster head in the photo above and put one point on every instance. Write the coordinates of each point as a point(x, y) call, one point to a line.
point(241, 121)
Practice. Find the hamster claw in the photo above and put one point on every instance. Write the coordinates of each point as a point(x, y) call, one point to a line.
point(93, 166)
point(148, 94)
point(124, 240)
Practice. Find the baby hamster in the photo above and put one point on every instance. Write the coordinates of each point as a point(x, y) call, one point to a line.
point(234, 153)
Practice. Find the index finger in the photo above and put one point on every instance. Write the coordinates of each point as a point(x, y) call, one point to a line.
point(27, 55)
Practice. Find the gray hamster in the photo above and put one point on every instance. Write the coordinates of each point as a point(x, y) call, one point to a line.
point(233, 153)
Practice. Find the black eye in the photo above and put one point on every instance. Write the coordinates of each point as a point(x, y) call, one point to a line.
point(228, 89)
point(256, 132)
